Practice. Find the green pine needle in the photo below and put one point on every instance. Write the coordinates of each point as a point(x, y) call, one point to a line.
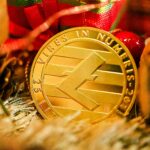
point(23, 2)
point(4, 108)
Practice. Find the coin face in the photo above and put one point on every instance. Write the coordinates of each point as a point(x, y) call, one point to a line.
point(83, 69)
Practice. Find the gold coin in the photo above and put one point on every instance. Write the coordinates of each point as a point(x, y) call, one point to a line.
point(83, 69)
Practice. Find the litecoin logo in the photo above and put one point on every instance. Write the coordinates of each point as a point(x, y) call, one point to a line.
point(86, 70)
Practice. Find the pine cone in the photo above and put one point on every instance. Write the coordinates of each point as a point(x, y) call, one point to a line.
point(12, 72)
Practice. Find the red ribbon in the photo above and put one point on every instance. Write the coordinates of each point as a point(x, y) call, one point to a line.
point(25, 19)
point(99, 20)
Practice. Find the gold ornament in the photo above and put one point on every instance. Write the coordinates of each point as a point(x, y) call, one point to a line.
point(83, 69)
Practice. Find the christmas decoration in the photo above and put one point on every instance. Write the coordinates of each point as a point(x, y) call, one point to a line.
point(21, 25)
point(3, 21)
point(27, 42)
point(134, 43)
point(101, 18)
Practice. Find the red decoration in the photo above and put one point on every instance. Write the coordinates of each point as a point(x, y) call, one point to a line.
point(24, 19)
point(101, 18)
point(134, 43)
